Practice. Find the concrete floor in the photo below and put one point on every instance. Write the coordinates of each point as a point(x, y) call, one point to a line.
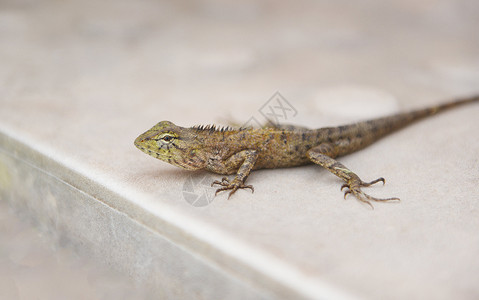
point(79, 80)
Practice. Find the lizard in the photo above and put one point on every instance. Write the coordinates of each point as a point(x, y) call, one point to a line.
point(228, 150)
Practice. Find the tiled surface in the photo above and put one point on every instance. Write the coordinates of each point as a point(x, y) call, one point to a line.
point(80, 79)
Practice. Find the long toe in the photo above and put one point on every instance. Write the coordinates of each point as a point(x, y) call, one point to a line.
point(374, 181)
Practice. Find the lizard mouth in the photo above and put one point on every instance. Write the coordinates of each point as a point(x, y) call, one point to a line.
point(141, 142)
point(138, 141)
point(149, 151)
point(146, 136)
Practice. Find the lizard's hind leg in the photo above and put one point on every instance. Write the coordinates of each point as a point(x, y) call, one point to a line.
point(321, 155)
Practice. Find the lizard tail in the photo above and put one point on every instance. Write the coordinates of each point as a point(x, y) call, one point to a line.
point(401, 120)
point(372, 130)
point(439, 108)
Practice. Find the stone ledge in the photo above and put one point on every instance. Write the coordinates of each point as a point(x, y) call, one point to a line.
point(100, 223)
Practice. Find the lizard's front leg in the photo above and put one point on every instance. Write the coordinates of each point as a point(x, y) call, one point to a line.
point(321, 155)
point(247, 159)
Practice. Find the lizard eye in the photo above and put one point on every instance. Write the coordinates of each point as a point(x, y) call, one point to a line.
point(166, 138)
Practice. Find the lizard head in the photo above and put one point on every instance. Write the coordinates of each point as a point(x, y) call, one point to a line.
point(173, 144)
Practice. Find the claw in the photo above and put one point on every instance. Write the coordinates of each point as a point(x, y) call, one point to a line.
point(354, 187)
point(346, 193)
point(368, 203)
point(220, 190)
point(249, 187)
point(240, 187)
point(224, 182)
point(373, 182)
point(233, 186)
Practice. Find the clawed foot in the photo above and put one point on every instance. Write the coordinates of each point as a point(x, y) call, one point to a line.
point(354, 187)
point(233, 186)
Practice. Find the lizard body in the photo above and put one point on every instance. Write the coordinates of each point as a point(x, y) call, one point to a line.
point(239, 151)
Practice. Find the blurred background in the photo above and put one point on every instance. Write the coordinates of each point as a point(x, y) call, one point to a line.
point(180, 60)
point(127, 64)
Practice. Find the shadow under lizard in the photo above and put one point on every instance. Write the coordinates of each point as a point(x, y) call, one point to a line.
point(239, 151)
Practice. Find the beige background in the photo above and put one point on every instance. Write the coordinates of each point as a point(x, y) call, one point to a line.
point(79, 80)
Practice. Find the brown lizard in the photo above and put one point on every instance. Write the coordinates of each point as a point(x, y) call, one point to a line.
point(228, 151)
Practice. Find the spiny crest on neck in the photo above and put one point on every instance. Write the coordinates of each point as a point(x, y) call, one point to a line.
point(214, 128)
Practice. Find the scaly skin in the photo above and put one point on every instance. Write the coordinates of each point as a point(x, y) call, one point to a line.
point(239, 151)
